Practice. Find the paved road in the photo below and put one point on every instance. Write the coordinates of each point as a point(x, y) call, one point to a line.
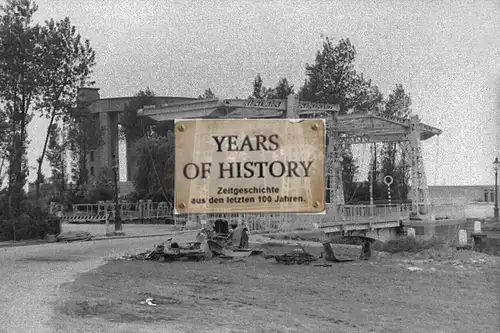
point(129, 229)
point(31, 275)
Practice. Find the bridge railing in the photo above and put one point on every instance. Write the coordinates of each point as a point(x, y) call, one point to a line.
point(335, 215)
point(374, 213)
point(128, 210)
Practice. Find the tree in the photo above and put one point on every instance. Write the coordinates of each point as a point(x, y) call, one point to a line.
point(101, 187)
point(333, 79)
point(4, 140)
point(21, 55)
point(56, 155)
point(259, 91)
point(155, 174)
point(398, 103)
point(369, 99)
point(395, 162)
point(84, 135)
point(134, 127)
point(281, 91)
point(349, 172)
point(67, 65)
point(208, 94)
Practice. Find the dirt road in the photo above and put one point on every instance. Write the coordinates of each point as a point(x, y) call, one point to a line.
point(31, 275)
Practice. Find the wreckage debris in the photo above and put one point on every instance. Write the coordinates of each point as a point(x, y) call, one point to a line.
point(301, 256)
point(200, 250)
point(297, 257)
point(330, 256)
point(72, 236)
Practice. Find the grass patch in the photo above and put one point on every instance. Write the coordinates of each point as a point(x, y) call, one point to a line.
point(262, 296)
point(311, 236)
point(491, 227)
point(405, 244)
point(409, 244)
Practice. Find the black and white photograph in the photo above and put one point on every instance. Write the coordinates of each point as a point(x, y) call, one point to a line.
point(281, 166)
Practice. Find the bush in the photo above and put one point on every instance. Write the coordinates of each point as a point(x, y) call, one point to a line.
point(32, 224)
point(132, 197)
point(100, 194)
point(26, 227)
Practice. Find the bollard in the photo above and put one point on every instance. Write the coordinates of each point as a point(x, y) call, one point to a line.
point(477, 227)
point(109, 226)
point(479, 242)
point(411, 232)
point(479, 239)
point(462, 237)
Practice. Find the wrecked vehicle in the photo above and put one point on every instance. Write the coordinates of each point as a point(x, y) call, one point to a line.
point(216, 239)
point(219, 232)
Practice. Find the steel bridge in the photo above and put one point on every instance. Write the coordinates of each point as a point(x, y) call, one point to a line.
point(355, 217)
point(342, 129)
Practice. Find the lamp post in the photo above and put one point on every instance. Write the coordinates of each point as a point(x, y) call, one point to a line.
point(118, 219)
point(496, 167)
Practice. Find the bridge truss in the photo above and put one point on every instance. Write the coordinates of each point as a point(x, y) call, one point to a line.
point(342, 129)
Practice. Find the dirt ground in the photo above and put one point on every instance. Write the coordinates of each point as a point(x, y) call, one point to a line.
point(454, 292)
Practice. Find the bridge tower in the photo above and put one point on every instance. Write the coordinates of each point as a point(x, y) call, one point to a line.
point(419, 188)
point(334, 167)
point(293, 111)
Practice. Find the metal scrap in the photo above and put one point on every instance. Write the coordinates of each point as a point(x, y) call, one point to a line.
point(297, 257)
point(300, 256)
point(202, 249)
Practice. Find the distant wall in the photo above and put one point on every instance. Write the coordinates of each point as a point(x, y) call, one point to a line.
point(480, 211)
point(461, 194)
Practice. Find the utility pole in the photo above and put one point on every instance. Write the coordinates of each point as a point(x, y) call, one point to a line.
point(118, 219)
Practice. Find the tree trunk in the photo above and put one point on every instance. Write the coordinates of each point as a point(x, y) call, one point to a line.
point(63, 173)
point(40, 160)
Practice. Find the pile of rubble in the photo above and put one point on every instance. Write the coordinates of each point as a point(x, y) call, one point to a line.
point(171, 250)
point(215, 239)
point(302, 257)
point(297, 257)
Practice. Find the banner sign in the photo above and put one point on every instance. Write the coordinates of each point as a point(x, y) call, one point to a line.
point(249, 166)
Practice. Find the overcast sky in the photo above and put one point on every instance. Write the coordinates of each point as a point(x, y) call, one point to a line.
point(445, 53)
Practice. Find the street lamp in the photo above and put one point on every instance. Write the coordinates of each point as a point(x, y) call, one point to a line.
point(118, 219)
point(496, 167)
